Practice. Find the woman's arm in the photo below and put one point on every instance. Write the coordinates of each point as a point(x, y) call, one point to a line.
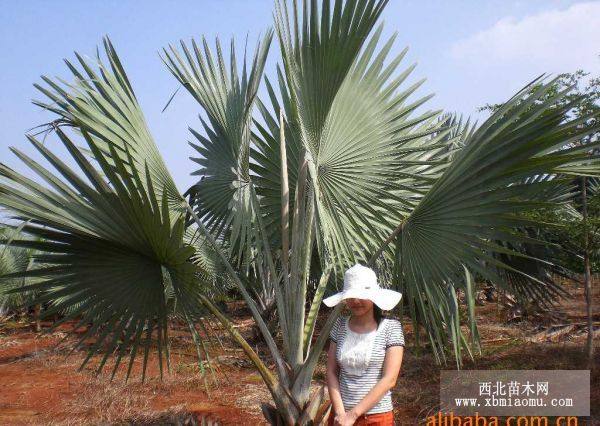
point(333, 383)
point(391, 370)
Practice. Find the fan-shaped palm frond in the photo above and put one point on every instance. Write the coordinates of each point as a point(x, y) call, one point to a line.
point(222, 195)
point(103, 104)
point(224, 198)
point(105, 232)
point(365, 158)
point(480, 198)
point(104, 245)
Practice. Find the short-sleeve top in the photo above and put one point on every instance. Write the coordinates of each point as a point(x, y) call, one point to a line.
point(353, 388)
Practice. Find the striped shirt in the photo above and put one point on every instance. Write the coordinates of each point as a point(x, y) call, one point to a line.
point(353, 388)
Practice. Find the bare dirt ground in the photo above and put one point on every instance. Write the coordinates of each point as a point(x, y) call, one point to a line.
point(40, 385)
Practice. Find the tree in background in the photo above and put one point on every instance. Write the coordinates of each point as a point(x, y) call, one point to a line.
point(581, 92)
point(587, 232)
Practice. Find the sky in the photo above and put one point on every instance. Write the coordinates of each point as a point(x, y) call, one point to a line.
point(471, 52)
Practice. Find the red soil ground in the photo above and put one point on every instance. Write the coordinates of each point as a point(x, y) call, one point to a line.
point(40, 385)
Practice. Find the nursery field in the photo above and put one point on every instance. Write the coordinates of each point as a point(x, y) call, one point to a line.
point(39, 384)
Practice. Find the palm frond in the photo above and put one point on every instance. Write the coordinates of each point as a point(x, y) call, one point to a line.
point(481, 198)
point(222, 195)
point(102, 103)
point(106, 232)
point(368, 159)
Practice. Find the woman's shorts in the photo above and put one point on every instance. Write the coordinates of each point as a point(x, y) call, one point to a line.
point(379, 419)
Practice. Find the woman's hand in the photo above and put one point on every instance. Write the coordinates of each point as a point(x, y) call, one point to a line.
point(333, 386)
point(345, 419)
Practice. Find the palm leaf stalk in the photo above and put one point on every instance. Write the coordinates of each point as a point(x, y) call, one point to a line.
point(374, 181)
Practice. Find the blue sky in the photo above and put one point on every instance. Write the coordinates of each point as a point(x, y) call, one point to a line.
point(471, 52)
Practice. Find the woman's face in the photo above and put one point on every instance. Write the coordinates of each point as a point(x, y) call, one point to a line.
point(359, 307)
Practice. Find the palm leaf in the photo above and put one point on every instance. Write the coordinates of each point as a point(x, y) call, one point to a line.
point(480, 198)
point(222, 196)
point(102, 103)
point(365, 158)
point(106, 232)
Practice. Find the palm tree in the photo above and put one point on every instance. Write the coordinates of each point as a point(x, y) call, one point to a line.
point(373, 181)
point(13, 262)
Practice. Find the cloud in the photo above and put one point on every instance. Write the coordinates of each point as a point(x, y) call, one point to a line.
point(551, 41)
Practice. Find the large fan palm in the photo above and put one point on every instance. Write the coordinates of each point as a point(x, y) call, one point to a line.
point(337, 165)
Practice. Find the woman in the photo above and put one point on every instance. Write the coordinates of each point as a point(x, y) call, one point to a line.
point(365, 352)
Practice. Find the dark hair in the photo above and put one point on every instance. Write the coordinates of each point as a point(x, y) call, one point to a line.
point(378, 313)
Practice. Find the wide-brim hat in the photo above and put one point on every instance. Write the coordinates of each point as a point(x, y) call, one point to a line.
point(360, 282)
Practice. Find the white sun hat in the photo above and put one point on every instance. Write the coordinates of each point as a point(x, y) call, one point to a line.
point(360, 282)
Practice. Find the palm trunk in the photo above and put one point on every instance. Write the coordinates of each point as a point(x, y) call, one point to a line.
point(588, 302)
point(587, 276)
point(37, 312)
point(290, 387)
